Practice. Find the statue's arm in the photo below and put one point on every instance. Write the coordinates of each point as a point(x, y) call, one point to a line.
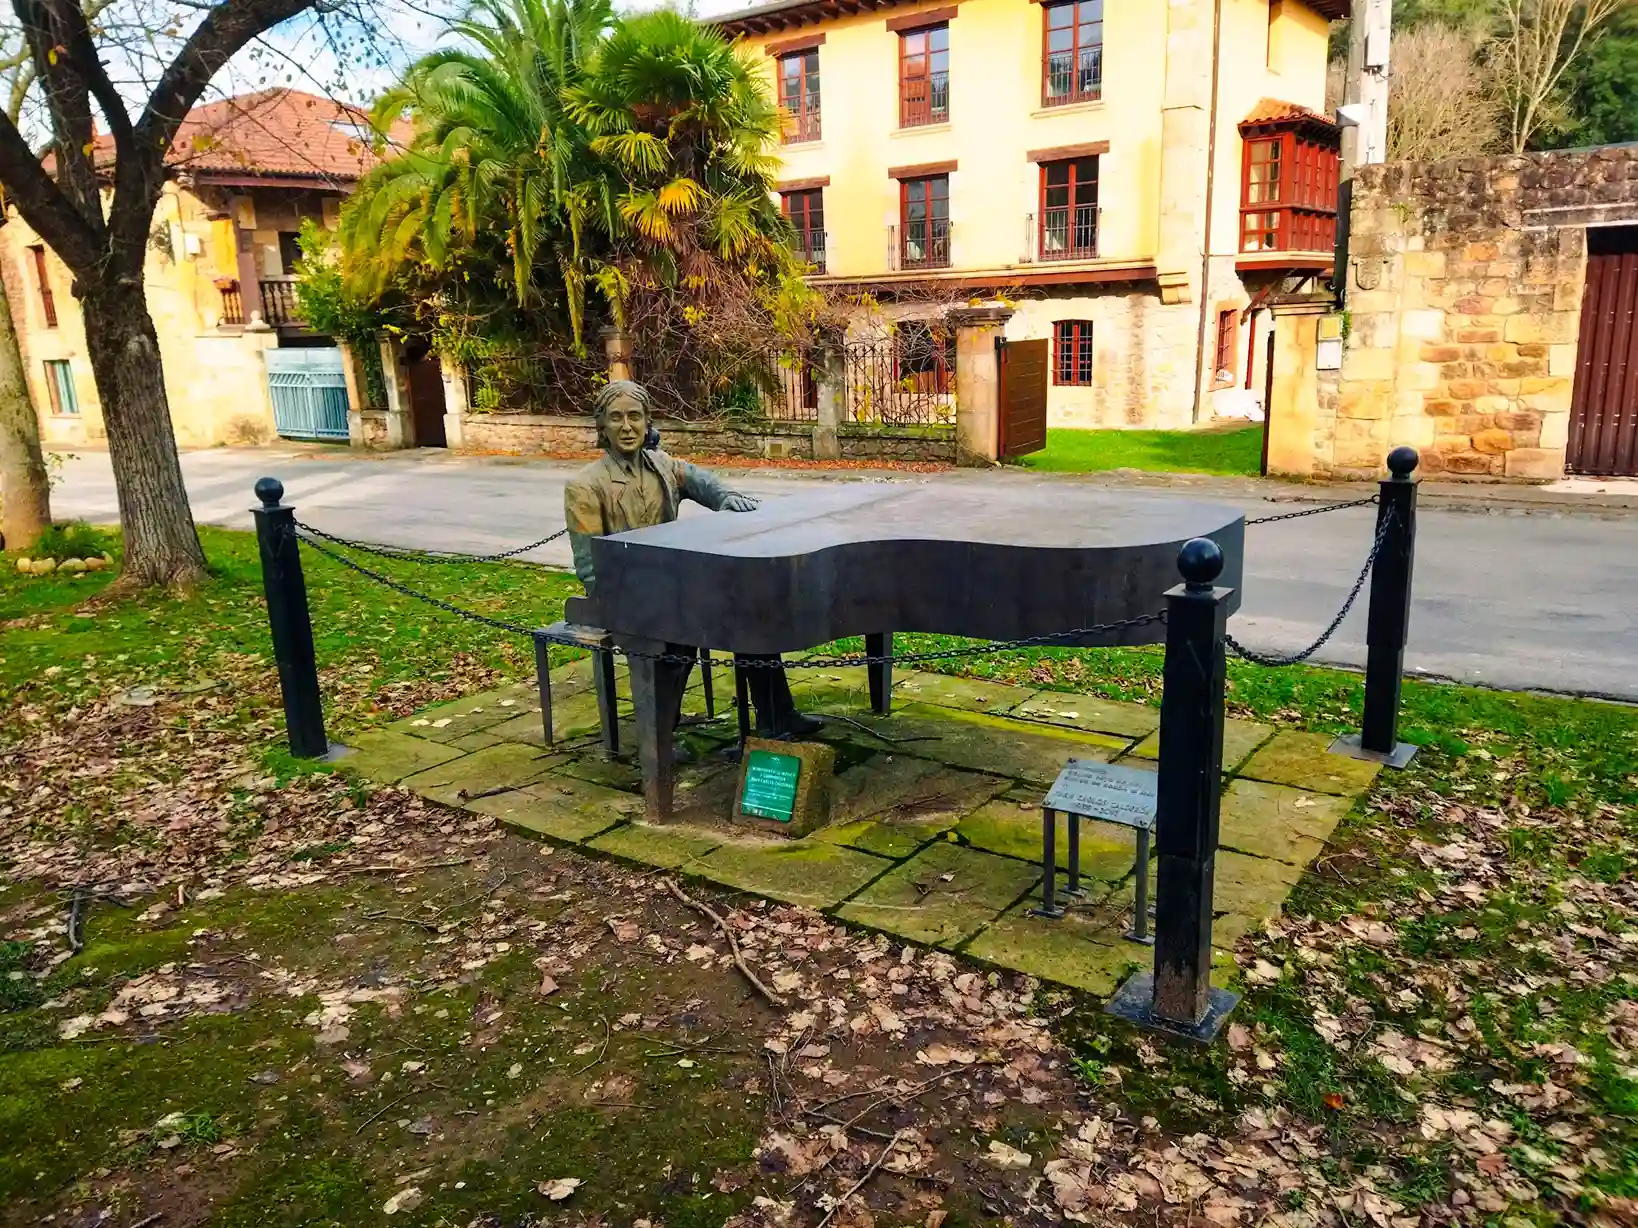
point(583, 513)
point(705, 487)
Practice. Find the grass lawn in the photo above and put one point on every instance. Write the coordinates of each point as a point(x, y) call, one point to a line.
point(1234, 452)
point(301, 999)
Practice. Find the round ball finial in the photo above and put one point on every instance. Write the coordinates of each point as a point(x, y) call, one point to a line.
point(269, 491)
point(1402, 461)
point(1200, 561)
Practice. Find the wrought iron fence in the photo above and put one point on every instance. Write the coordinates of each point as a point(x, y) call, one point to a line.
point(904, 380)
point(810, 243)
point(801, 124)
point(924, 100)
point(790, 391)
point(1070, 76)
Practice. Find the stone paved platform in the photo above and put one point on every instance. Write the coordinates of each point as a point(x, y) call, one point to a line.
point(936, 834)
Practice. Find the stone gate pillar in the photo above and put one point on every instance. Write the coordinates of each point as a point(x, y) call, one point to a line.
point(400, 423)
point(830, 378)
point(617, 350)
point(978, 383)
point(457, 403)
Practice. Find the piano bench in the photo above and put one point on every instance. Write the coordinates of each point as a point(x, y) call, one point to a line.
point(601, 644)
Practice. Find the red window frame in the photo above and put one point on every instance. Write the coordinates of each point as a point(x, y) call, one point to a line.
point(935, 239)
point(1225, 368)
point(924, 76)
point(806, 210)
point(1297, 208)
point(1085, 50)
point(1076, 238)
point(802, 121)
point(42, 274)
point(1072, 353)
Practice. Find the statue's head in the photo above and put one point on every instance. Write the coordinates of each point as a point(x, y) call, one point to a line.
point(624, 411)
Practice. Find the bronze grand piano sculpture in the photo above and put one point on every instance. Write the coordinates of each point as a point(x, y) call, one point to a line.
point(1002, 561)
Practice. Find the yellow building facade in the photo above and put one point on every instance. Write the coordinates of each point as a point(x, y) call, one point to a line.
point(1087, 160)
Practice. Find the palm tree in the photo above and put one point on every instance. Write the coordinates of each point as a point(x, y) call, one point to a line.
point(600, 152)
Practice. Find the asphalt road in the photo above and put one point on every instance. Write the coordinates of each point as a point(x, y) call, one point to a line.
point(1522, 600)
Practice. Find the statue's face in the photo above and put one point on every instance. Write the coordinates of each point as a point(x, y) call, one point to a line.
point(625, 423)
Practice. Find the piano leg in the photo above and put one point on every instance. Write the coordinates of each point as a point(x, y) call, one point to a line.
point(705, 678)
point(608, 711)
point(656, 693)
point(881, 676)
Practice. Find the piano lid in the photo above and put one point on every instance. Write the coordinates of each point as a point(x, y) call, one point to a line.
point(992, 561)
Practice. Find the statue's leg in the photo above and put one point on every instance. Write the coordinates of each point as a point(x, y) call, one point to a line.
point(776, 714)
point(656, 693)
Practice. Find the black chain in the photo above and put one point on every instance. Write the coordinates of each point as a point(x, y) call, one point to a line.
point(1257, 658)
point(1315, 511)
point(675, 658)
point(424, 556)
point(470, 615)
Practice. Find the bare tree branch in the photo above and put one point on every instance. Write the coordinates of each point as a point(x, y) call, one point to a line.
point(1537, 43)
point(1442, 102)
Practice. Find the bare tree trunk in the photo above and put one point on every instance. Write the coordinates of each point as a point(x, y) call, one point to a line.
point(161, 546)
point(25, 490)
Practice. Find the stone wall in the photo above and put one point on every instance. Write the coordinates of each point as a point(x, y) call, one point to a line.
point(541, 434)
point(1464, 300)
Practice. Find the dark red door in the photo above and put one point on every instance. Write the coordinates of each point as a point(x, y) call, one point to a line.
point(1604, 411)
point(426, 381)
point(1024, 367)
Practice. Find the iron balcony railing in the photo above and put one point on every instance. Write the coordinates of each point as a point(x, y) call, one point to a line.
point(810, 245)
point(924, 100)
point(802, 124)
point(1068, 77)
point(921, 245)
point(1069, 233)
point(279, 301)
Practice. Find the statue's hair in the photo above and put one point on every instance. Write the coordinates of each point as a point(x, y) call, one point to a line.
point(607, 394)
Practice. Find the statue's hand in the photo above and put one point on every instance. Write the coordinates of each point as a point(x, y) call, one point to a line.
point(739, 503)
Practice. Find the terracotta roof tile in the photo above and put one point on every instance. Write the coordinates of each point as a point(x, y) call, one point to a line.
point(272, 132)
point(1273, 111)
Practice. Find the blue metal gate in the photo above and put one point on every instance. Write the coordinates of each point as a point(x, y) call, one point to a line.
point(309, 392)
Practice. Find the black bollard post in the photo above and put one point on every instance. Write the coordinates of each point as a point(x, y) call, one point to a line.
point(1387, 627)
point(1177, 997)
point(290, 621)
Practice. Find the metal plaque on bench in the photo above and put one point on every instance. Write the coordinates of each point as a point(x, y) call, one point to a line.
point(1120, 795)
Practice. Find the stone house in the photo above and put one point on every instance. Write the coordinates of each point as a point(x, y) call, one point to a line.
point(1491, 322)
point(244, 173)
point(1134, 178)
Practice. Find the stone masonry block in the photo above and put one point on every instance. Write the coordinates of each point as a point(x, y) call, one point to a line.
point(1368, 301)
point(1495, 440)
point(1452, 445)
point(1428, 324)
point(1472, 463)
point(1368, 364)
point(1545, 463)
point(1555, 432)
point(1561, 360)
point(1554, 328)
point(1441, 353)
point(1419, 377)
point(1366, 401)
point(1478, 336)
point(1414, 429)
point(1424, 264)
point(1373, 330)
point(1557, 401)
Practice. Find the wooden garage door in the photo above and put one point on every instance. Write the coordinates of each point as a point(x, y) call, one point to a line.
point(1604, 413)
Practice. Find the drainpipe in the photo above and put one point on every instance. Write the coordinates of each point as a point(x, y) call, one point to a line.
point(1211, 192)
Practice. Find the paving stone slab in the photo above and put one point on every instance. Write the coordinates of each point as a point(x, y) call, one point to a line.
point(573, 717)
point(561, 807)
point(1240, 738)
point(387, 756)
point(505, 766)
point(942, 895)
point(1304, 761)
point(447, 722)
point(1075, 951)
point(893, 804)
point(949, 691)
point(993, 744)
point(475, 741)
point(1004, 826)
point(808, 872)
point(1254, 888)
point(1091, 713)
point(845, 689)
point(667, 845)
point(1277, 821)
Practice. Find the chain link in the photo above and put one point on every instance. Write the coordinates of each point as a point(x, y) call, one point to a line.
point(1315, 511)
point(1275, 661)
point(674, 658)
point(423, 556)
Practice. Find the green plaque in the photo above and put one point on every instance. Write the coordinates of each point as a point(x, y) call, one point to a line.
point(769, 791)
